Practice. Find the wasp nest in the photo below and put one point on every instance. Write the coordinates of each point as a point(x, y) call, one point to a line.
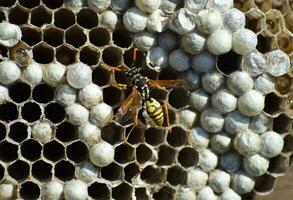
point(229, 136)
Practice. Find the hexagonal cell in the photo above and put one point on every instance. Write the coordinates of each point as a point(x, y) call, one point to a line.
point(164, 193)
point(176, 175)
point(41, 16)
point(289, 105)
point(53, 4)
point(143, 154)
point(274, 21)
point(244, 5)
point(168, 74)
point(282, 124)
point(149, 73)
point(285, 41)
point(112, 56)
point(136, 136)
point(273, 104)
point(122, 192)
point(283, 84)
point(2, 172)
point(29, 190)
point(18, 131)
point(64, 18)
point(131, 171)
point(53, 36)
point(77, 151)
point(18, 15)
point(264, 184)
point(288, 19)
point(255, 20)
point(3, 51)
point(112, 133)
point(264, 5)
point(288, 144)
point(66, 132)
point(87, 18)
point(8, 112)
point(101, 76)
point(54, 151)
point(2, 16)
point(166, 155)
point(158, 94)
point(124, 153)
point(188, 157)
point(19, 53)
point(43, 53)
point(89, 55)
point(64, 170)
point(43, 93)
point(5, 147)
point(99, 36)
point(99, 191)
point(66, 55)
point(152, 174)
point(128, 57)
point(54, 112)
point(112, 95)
point(266, 42)
point(177, 137)
point(120, 77)
point(75, 36)
point(31, 149)
point(112, 172)
point(29, 3)
point(31, 112)
point(140, 193)
point(279, 165)
point(154, 136)
point(2, 131)
point(19, 170)
point(7, 3)
point(31, 36)
point(42, 170)
point(19, 92)
point(178, 102)
point(122, 38)
point(229, 62)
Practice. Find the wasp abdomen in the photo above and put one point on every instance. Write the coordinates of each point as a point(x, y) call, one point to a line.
point(155, 111)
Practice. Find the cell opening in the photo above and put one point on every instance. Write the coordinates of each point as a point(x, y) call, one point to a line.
point(54, 112)
point(3, 51)
point(42, 170)
point(255, 21)
point(149, 73)
point(178, 102)
point(43, 93)
point(53, 36)
point(128, 58)
point(154, 136)
point(273, 21)
point(136, 136)
point(89, 56)
point(177, 137)
point(112, 172)
point(64, 170)
point(265, 43)
point(29, 3)
point(54, 151)
point(284, 41)
point(112, 95)
point(283, 84)
point(19, 170)
point(131, 171)
point(229, 62)
point(272, 104)
point(158, 94)
point(176, 175)
point(18, 131)
point(2, 16)
point(53, 4)
point(2, 131)
point(2, 172)
point(64, 18)
point(288, 144)
point(99, 36)
point(152, 175)
point(143, 154)
point(87, 18)
point(188, 157)
point(99, 191)
point(29, 190)
point(124, 153)
point(8, 112)
point(121, 37)
point(166, 155)
point(31, 112)
point(165, 193)
point(7, 3)
point(31, 36)
point(112, 133)
point(112, 56)
point(120, 77)
point(19, 92)
point(140, 193)
point(281, 124)
point(31, 150)
point(264, 183)
point(75, 36)
point(18, 16)
point(77, 152)
point(43, 54)
point(279, 165)
point(8, 147)
point(101, 76)
point(40, 16)
point(66, 132)
point(65, 55)
point(122, 192)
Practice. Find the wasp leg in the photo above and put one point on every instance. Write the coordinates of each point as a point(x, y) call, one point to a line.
point(120, 85)
point(165, 107)
point(135, 124)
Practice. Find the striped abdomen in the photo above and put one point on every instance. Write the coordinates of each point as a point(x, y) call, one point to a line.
point(155, 111)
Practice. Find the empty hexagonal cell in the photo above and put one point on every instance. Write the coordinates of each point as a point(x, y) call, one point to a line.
point(53, 4)
point(66, 132)
point(112, 172)
point(31, 36)
point(5, 147)
point(121, 38)
point(2, 16)
point(279, 165)
point(66, 55)
point(53, 36)
point(120, 77)
point(288, 144)
point(64, 18)
point(122, 192)
point(164, 193)
point(77, 151)
point(8, 112)
point(3, 51)
point(229, 62)
point(18, 15)
point(128, 57)
point(29, 3)
point(43, 93)
point(166, 155)
point(7, 3)
point(40, 16)
point(19, 170)
point(188, 157)
point(99, 36)
point(31, 149)
point(31, 111)
point(285, 41)
point(101, 76)
point(266, 42)
point(43, 53)
point(64, 170)
point(140, 193)
point(29, 190)
point(112, 95)
point(112, 133)
point(152, 174)
point(54, 112)
point(19, 92)
point(2, 131)
point(264, 6)
point(255, 20)
point(176, 175)
point(154, 136)
point(273, 104)
point(124, 153)
point(89, 55)
point(18, 131)
point(75, 36)
point(274, 21)
point(283, 84)
point(264, 184)
point(87, 18)
point(143, 153)
point(112, 56)
point(130, 171)
point(282, 124)
point(168, 74)
point(178, 102)
point(99, 191)
point(54, 151)
point(2, 172)
point(136, 136)
point(177, 137)
point(42, 170)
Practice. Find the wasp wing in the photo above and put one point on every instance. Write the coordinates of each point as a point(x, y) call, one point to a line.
point(172, 83)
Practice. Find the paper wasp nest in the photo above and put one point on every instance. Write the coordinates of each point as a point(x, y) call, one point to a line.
point(230, 138)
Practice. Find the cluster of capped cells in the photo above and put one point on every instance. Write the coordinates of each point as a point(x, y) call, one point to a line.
point(230, 136)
